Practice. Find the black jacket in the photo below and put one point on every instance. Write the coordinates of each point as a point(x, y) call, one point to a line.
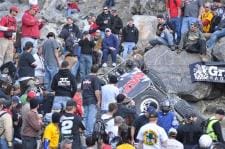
point(100, 21)
point(130, 34)
point(117, 24)
point(64, 83)
point(86, 46)
point(67, 30)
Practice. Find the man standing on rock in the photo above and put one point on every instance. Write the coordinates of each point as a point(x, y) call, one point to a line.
point(31, 26)
point(7, 28)
point(174, 12)
point(104, 20)
point(129, 38)
point(192, 13)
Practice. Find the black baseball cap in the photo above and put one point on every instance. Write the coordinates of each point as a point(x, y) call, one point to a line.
point(71, 103)
point(220, 112)
point(152, 112)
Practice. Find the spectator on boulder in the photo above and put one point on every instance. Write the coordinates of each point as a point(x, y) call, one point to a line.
point(130, 37)
point(117, 23)
point(8, 26)
point(217, 34)
point(174, 12)
point(110, 45)
point(192, 13)
point(31, 27)
point(64, 84)
point(104, 20)
point(51, 59)
point(206, 18)
point(194, 41)
point(72, 7)
point(164, 34)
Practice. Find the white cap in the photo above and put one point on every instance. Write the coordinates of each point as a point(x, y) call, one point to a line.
point(172, 130)
point(205, 141)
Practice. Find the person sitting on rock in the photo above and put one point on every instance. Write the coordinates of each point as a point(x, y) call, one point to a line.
point(165, 33)
point(193, 41)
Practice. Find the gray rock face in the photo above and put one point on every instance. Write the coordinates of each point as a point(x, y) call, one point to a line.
point(173, 70)
point(218, 51)
point(147, 28)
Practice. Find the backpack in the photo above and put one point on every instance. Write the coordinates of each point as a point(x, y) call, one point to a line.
point(2, 130)
point(204, 125)
point(99, 128)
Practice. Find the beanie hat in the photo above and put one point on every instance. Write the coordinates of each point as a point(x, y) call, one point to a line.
point(34, 103)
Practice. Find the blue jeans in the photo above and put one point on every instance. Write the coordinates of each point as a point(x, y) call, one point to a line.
point(70, 12)
point(106, 53)
point(85, 65)
point(90, 112)
point(75, 68)
point(186, 23)
point(34, 41)
point(177, 23)
point(128, 48)
point(214, 37)
point(109, 3)
point(50, 72)
point(60, 100)
point(3, 144)
point(166, 38)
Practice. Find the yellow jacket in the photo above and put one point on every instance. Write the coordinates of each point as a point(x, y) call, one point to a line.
point(206, 19)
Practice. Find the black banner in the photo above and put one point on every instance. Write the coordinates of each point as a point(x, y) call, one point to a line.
point(208, 72)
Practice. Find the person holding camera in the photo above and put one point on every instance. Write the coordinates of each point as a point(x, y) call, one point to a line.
point(8, 26)
point(87, 46)
point(165, 34)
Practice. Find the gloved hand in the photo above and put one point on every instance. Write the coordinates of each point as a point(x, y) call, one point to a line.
point(10, 145)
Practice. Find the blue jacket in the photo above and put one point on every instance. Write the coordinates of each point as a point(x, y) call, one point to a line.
point(110, 41)
point(167, 121)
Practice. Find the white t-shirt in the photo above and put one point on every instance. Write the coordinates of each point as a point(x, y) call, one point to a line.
point(174, 144)
point(39, 69)
point(152, 136)
point(109, 93)
point(110, 123)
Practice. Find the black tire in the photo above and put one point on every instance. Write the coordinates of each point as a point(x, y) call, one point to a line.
point(183, 108)
point(153, 75)
point(146, 97)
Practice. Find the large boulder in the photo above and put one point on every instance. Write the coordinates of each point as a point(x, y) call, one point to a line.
point(173, 70)
point(218, 51)
point(147, 28)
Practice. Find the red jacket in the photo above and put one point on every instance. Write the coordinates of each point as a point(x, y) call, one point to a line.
point(7, 21)
point(78, 99)
point(73, 5)
point(30, 26)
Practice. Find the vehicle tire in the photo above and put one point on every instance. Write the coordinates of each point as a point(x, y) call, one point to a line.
point(143, 100)
point(183, 108)
point(153, 75)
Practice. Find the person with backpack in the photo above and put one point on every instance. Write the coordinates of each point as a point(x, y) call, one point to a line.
point(6, 127)
point(194, 41)
point(8, 26)
point(213, 126)
point(71, 125)
point(174, 13)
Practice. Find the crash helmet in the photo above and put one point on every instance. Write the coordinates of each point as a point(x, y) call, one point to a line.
point(165, 106)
